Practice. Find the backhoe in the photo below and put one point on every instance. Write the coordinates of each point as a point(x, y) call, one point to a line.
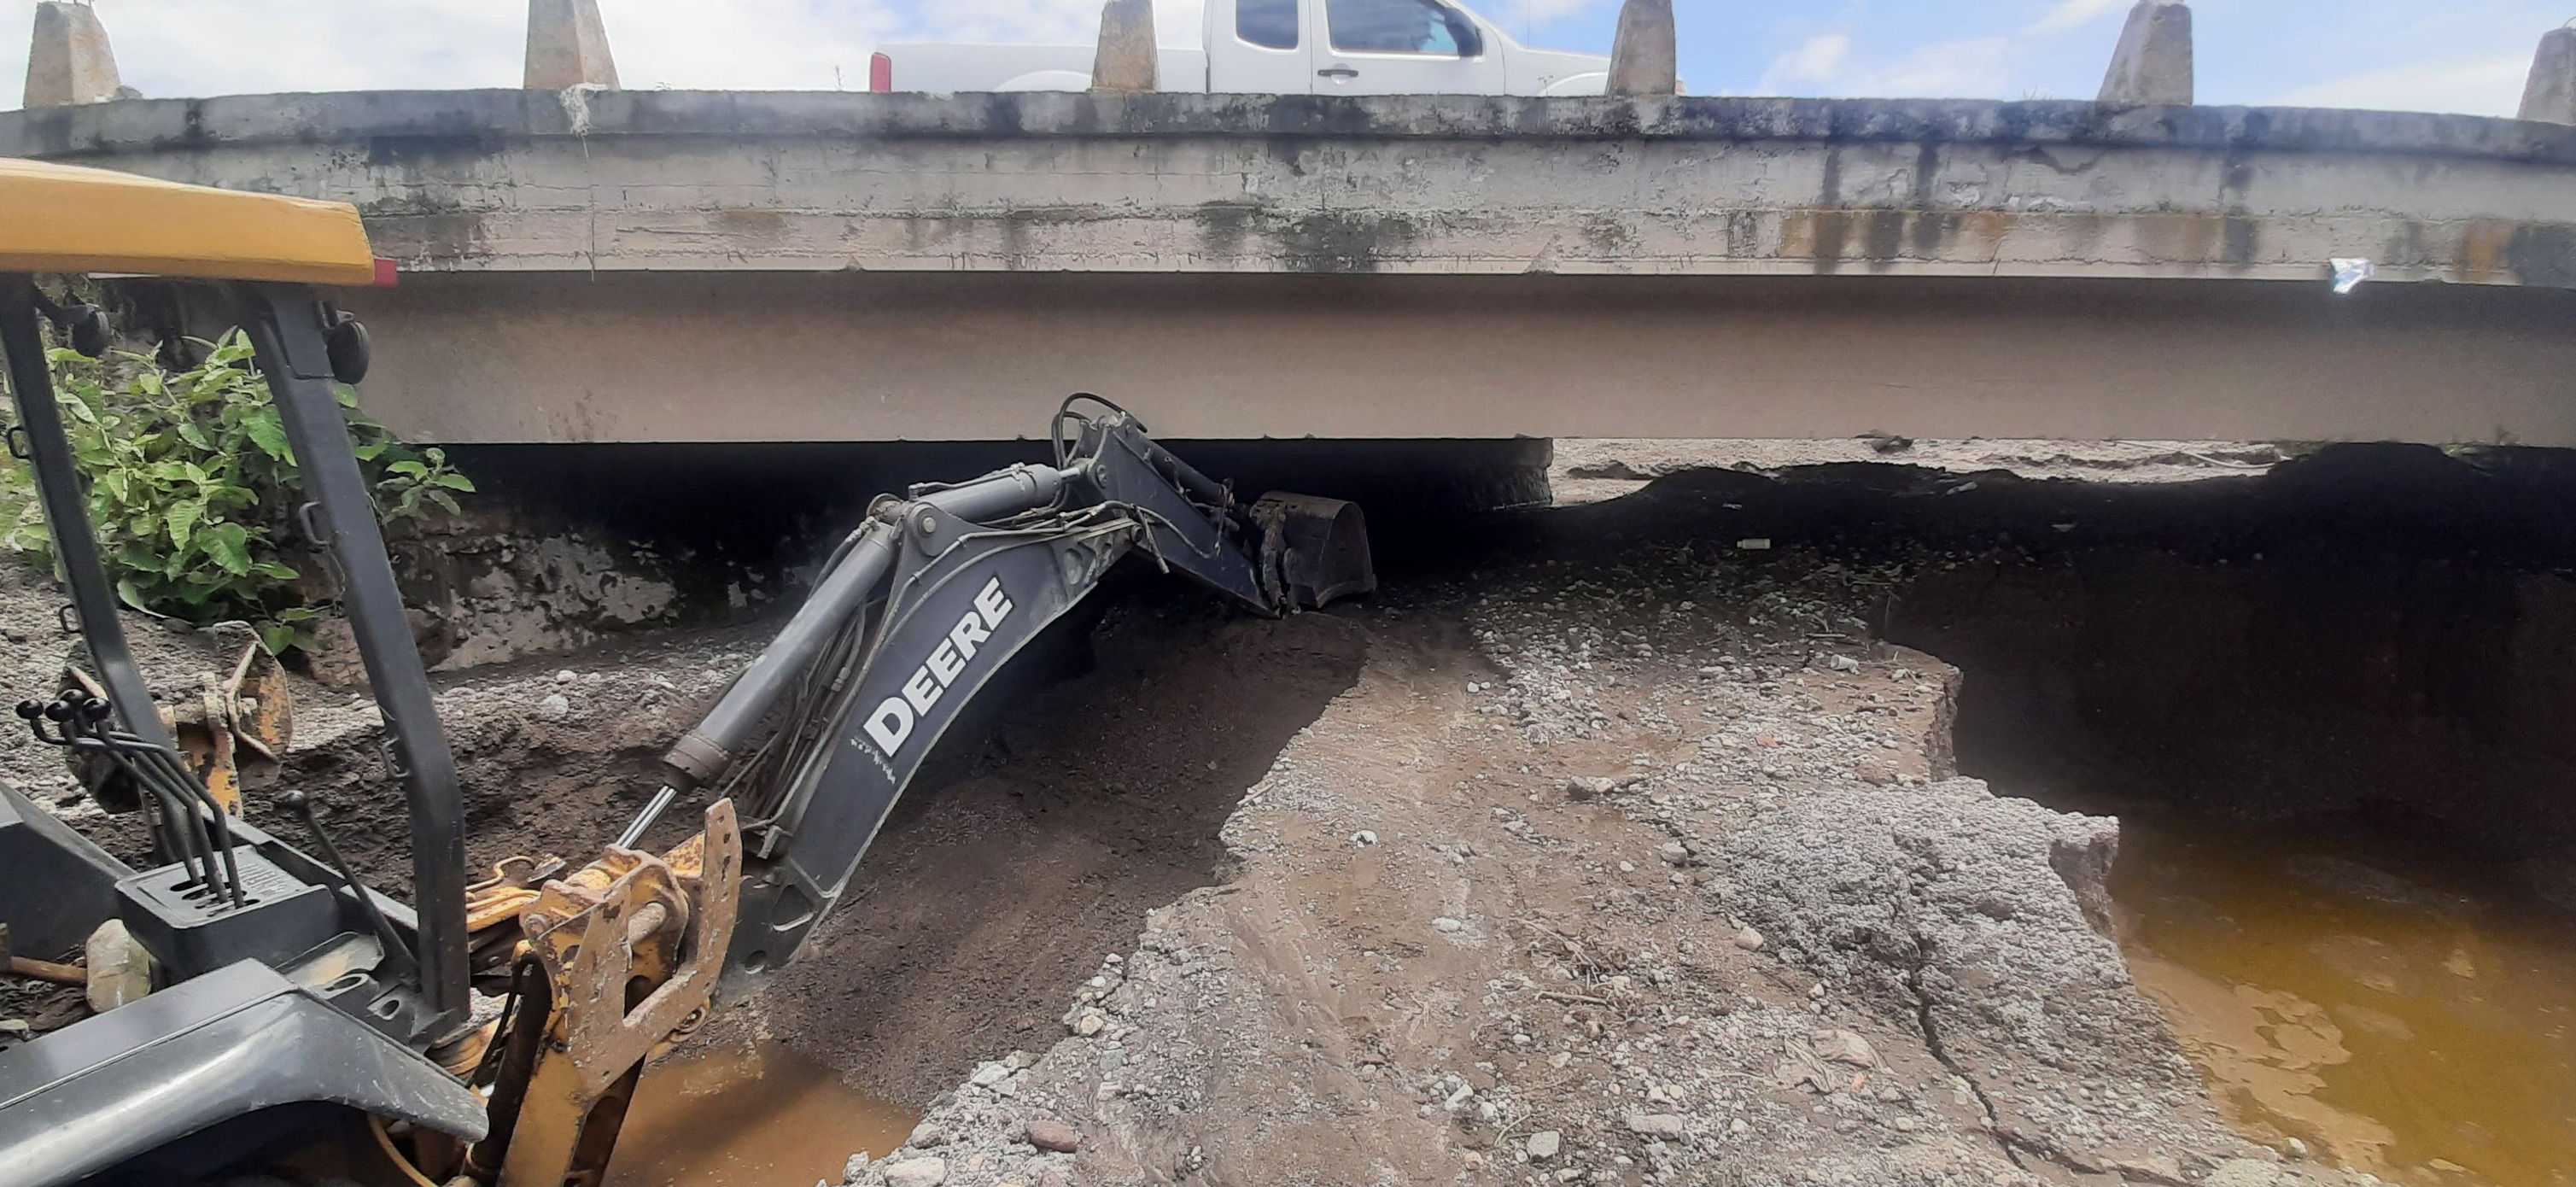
point(269, 1013)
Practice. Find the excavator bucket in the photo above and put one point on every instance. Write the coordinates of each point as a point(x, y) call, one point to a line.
point(1315, 549)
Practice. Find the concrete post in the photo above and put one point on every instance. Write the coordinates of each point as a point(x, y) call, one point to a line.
point(568, 46)
point(2152, 66)
point(69, 61)
point(2550, 96)
point(1126, 62)
point(1643, 60)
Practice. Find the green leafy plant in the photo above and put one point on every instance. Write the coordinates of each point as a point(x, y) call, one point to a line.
point(193, 490)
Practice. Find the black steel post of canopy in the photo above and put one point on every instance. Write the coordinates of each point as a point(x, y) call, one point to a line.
point(287, 336)
point(59, 488)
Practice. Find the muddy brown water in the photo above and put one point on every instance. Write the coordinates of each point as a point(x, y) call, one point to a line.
point(2396, 1007)
point(756, 1115)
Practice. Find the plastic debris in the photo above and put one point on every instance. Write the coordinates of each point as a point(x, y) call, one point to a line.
point(2348, 274)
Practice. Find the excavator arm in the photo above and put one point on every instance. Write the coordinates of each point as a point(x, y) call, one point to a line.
point(814, 744)
point(932, 597)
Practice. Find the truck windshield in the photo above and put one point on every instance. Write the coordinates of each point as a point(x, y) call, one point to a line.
point(1270, 24)
point(1403, 27)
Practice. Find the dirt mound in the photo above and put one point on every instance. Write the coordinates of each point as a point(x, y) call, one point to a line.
point(985, 903)
point(1602, 874)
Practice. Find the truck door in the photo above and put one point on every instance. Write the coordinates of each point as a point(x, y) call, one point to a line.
point(1262, 47)
point(1406, 47)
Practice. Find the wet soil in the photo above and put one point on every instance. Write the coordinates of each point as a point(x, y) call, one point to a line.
point(747, 1115)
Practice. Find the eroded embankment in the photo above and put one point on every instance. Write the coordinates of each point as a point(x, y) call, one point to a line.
point(1432, 964)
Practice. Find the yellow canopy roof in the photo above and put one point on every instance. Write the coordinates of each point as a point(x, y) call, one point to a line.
point(63, 218)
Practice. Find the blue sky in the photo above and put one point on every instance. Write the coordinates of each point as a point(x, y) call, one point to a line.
point(2425, 55)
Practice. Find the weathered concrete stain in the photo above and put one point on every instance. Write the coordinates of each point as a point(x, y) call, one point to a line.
point(752, 222)
point(2485, 250)
point(1343, 240)
point(2543, 255)
point(1224, 226)
point(1883, 238)
point(2242, 237)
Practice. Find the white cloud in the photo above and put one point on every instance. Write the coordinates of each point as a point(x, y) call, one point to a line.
point(1816, 60)
point(2469, 86)
point(2071, 14)
point(1040, 21)
point(217, 47)
point(1825, 65)
point(1542, 11)
point(174, 48)
point(742, 44)
point(1954, 69)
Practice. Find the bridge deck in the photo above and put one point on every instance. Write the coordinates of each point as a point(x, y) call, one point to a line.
point(608, 265)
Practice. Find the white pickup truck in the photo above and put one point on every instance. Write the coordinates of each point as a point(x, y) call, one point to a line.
point(1278, 47)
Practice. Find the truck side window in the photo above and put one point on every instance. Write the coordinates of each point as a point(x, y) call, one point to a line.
point(1403, 27)
point(1270, 24)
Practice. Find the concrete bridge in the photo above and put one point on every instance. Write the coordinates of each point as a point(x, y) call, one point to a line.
point(603, 265)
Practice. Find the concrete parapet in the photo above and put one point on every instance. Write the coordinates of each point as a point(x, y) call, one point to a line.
point(1643, 58)
point(69, 61)
point(2152, 66)
point(568, 46)
point(1125, 62)
point(2550, 96)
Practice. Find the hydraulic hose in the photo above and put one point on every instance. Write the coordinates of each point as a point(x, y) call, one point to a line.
point(703, 753)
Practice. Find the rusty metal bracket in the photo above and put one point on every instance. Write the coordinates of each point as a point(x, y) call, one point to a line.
point(493, 908)
point(631, 946)
point(233, 731)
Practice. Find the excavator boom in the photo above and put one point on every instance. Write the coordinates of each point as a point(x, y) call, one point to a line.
point(817, 740)
point(933, 596)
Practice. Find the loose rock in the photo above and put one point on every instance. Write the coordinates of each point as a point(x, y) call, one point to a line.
point(1656, 1125)
point(916, 1172)
point(1053, 1136)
